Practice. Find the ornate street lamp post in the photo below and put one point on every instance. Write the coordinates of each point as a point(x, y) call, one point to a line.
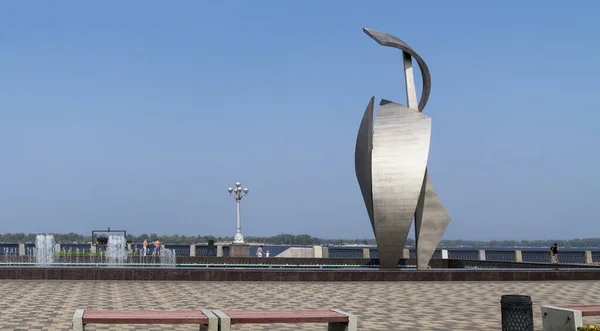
point(238, 193)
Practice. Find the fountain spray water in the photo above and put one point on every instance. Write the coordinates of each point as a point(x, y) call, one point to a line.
point(44, 249)
point(116, 250)
point(168, 257)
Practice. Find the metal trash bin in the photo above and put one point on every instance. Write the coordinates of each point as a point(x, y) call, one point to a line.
point(517, 313)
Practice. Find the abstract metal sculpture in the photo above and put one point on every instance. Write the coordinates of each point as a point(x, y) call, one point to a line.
point(391, 168)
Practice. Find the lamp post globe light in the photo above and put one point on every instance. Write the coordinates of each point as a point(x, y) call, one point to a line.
point(238, 193)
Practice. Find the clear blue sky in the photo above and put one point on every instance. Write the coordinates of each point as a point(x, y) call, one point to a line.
point(139, 114)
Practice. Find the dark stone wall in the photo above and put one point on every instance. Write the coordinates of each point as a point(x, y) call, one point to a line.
point(273, 275)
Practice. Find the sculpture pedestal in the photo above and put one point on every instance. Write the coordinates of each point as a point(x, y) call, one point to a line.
point(239, 250)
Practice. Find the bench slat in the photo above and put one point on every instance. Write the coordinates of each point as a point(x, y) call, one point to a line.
point(281, 316)
point(144, 317)
point(586, 310)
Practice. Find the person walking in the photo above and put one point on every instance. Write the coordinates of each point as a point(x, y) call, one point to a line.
point(259, 251)
point(554, 254)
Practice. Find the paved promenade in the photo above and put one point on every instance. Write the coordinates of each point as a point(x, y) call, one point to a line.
point(49, 305)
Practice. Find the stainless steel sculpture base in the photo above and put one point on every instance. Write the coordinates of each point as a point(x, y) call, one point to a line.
point(391, 168)
point(431, 221)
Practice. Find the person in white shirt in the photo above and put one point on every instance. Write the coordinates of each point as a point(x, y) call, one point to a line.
point(145, 245)
point(259, 251)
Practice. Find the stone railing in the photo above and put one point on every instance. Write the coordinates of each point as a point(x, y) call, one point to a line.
point(525, 255)
point(337, 252)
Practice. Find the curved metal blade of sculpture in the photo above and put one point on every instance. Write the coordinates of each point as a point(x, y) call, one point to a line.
point(391, 168)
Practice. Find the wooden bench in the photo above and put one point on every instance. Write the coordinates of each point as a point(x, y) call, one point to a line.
point(205, 318)
point(586, 310)
point(336, 320)
point(567, 317)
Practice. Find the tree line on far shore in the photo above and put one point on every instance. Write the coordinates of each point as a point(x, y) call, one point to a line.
point(290, 239)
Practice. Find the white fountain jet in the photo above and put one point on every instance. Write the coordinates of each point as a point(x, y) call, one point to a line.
point(44, 249)
point(116, 250)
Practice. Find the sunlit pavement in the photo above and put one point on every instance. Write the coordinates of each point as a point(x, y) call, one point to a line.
point(49, 305)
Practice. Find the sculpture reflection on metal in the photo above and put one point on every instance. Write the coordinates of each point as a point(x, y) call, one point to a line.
point(391, 168)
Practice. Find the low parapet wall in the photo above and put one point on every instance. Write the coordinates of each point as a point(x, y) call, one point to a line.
point(297, 252)
point(191, 261)
point(435, 263)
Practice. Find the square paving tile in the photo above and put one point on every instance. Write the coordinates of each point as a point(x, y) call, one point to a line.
point(49, 305)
